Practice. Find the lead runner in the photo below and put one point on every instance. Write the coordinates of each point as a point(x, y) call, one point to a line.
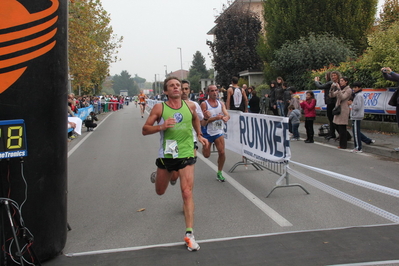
point(175, 119)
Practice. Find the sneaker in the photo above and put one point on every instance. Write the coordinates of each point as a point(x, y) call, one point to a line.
point(153, 177)
point(220, 177)
point(293, 139)
point(357, 151)
point(396, 149)
point(173, 182)
point(372, 141)
point(190, 242)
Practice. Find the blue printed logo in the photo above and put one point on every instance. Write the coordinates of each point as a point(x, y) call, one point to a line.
point(178, 117)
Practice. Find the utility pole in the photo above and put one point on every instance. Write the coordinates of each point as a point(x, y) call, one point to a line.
point(181, 63)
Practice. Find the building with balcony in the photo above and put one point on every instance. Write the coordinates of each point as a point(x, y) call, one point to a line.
point(254, 77)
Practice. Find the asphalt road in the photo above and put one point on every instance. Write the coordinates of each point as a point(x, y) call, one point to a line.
point(108, 183)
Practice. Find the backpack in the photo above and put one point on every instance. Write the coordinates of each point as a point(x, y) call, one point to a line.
point(324, 129)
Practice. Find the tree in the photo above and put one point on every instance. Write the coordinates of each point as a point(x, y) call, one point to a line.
point(92, 44)
point(389, 14)
point(293, 59)
point(383, 52)
point(349, 19)
point(234, 48)
point(139, 81)
point(124, 81)
point(197, 71)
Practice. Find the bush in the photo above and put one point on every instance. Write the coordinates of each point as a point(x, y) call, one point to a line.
point(296, 59)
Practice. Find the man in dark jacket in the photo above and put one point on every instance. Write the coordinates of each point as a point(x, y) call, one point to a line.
point(330, 102)
point(254, 102)
point(392, 76)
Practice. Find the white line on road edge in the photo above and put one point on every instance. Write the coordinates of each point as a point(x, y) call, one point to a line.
point(88, 135)
point(280, 220)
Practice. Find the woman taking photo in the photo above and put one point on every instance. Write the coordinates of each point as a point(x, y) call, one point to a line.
point(342, 92)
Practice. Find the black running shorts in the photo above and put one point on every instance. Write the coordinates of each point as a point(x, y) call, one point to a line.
point(174, 164)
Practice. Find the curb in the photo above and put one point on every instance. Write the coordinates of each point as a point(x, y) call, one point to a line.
point(372, 148)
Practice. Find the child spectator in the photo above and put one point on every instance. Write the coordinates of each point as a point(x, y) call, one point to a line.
point(294, 118)
point(357, 114)
point(309, 108)
point(89, 121)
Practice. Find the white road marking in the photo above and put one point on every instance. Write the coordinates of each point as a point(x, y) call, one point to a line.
point(280, 220)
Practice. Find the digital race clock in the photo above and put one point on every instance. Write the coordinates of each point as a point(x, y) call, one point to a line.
point(12, 139)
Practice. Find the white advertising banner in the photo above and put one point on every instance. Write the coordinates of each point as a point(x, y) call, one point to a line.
point(258, 137)
point(232, 133)
point(375, 100)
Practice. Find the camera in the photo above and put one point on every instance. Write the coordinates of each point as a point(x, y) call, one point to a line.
point(385, 70)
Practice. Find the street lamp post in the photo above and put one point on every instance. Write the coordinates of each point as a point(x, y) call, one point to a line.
point(159, 84)
point(181, 63)
point(155, 85)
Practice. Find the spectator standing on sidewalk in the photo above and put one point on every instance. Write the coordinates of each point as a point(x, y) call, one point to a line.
point(236, 97)
point(279, 96)
point(254, 103)
point(309, 108)
point(342, 92)
point(330, 102)
point(272, 96)
point(294, 118)
point(392, 76)
point(357, 114)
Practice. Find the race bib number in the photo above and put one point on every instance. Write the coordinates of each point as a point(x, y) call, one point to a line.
point(217, 125)
point(171, 148)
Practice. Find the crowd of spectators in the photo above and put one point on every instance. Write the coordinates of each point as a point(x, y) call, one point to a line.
point(101, 104)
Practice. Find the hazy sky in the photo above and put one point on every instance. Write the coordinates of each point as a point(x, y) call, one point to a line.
point(154, 29)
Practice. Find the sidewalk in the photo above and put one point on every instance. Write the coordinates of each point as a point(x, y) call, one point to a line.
point(384, 142)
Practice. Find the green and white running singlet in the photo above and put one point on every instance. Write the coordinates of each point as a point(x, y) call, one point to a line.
point(177, 141)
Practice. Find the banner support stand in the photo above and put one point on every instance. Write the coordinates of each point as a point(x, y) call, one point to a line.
point(245, 161)
point(285, 175)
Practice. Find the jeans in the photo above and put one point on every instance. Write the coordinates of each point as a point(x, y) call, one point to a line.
point(280, 107)
point(295, 130)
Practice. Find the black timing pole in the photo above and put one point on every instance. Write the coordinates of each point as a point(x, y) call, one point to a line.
point(33, 87)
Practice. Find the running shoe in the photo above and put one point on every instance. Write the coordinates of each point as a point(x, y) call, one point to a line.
point(220, 177)
point(190, 242)
point(153, 177)
point(357, 151)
